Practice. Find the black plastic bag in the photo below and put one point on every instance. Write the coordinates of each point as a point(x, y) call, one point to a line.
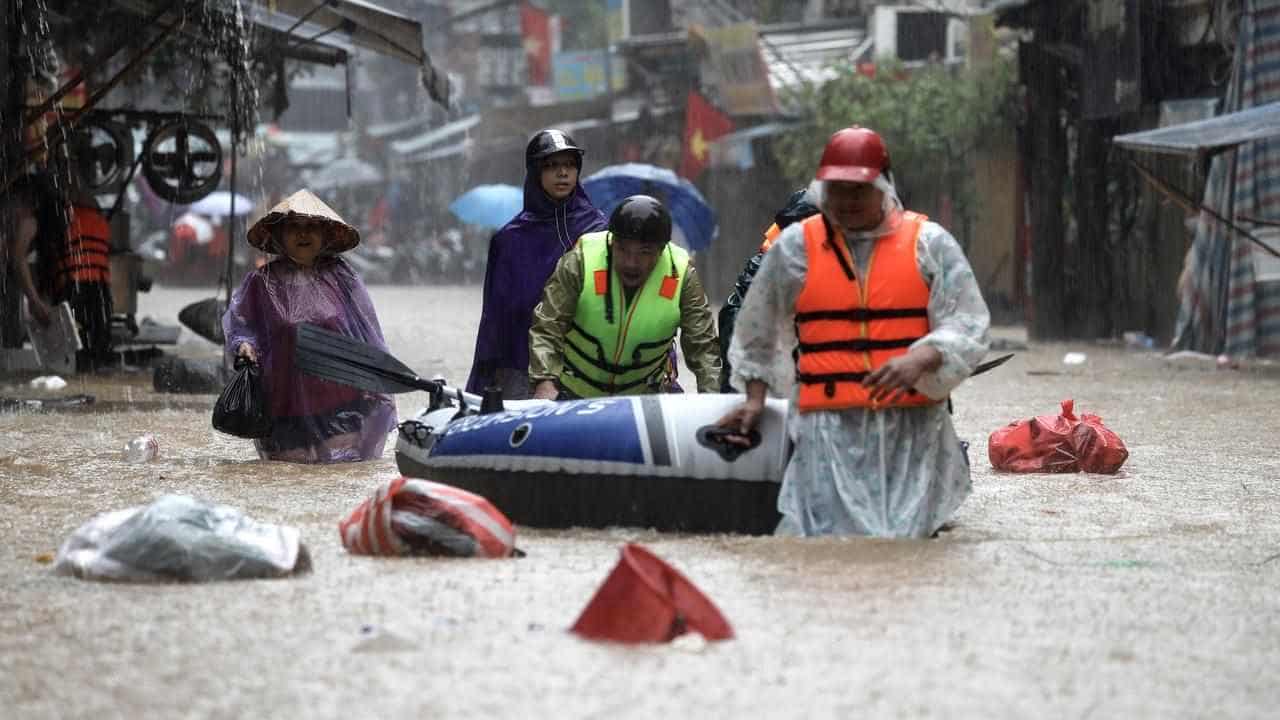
point(204, 318)
point(242, 408)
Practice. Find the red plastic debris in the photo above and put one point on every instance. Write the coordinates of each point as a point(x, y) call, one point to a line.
point(645, 600)
point(1057, 443)
point(420, 517)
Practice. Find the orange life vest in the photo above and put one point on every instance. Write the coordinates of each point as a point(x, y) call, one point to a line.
point(86, 257)
point(770, 236)
point(840, 342)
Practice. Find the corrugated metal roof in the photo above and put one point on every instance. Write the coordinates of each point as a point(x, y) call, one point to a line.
point(797, 55)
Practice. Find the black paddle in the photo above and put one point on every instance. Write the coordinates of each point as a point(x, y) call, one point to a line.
point(988, 365)
point(348, 361)
point(358, 364)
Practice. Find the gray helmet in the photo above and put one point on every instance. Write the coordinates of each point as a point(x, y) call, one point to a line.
point(549, 142)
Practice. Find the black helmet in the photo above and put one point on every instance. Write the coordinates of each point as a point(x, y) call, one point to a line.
point(641, 217)
point(549, 142)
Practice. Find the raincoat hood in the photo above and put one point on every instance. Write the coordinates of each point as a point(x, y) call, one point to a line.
point(521, 257)
point(538, 205)
point(304, 204)
point(891, 206)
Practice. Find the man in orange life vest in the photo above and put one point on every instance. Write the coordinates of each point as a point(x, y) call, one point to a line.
point(886, 318)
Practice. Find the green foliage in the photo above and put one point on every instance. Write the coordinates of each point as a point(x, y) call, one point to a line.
point(932, 118)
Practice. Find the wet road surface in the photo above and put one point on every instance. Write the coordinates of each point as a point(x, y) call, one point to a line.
point(1152, 593)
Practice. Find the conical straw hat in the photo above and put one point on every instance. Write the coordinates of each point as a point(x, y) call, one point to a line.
point(304, 205)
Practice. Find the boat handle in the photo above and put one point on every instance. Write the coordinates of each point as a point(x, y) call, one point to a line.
point(715, 438)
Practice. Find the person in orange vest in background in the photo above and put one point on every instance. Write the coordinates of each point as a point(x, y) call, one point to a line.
point(82, 265)
point(72, 240)
point(798, 208)
point(885, 318)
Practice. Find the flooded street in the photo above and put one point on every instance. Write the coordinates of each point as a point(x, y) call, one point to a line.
point(1146, 594)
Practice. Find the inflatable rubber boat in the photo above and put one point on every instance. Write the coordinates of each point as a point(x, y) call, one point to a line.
point(649, 461)
point(645, 461)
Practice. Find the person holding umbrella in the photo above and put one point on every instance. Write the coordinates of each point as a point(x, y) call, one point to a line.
point(522, 255)
point(885, 318)
point(612, 309)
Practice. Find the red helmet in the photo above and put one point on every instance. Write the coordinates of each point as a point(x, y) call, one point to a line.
point(854, 154)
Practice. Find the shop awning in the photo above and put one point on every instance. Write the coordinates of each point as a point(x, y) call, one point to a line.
point(734, 149)
point(366, 25)
point(1208, 136)
point(426, 140)
point(395, 127)
point(1200, 139)
point(327, 30)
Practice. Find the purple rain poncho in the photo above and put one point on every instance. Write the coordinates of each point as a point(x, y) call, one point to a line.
point(521, 257)
point(314, 420)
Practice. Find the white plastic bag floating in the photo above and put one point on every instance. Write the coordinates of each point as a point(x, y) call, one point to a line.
point(178, 537)
point(48, 382)
point(142, 449)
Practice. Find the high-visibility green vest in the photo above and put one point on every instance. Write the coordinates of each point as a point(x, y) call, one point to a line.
point(628, 355)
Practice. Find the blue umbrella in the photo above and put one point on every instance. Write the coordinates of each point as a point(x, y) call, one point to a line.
point(488, 205)
point(693, 218)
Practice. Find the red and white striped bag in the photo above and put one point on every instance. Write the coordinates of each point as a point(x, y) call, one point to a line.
point(419, 517)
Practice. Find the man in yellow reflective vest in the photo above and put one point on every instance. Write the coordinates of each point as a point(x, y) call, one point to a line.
point(885, 318)
point(613, 307)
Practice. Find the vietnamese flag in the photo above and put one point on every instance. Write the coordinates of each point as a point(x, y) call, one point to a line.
point(535, 27)
point(702, 124)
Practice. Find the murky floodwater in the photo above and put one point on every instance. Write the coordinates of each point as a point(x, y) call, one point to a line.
point(1151, 594)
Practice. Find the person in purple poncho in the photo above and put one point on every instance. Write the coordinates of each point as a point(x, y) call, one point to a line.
point(521, 257)
point(313, 420)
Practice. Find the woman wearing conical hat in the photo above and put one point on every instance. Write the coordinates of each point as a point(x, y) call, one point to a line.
point(314, 420)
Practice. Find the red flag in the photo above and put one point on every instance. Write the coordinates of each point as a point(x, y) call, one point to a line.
point(535, 26)
point(702, 124)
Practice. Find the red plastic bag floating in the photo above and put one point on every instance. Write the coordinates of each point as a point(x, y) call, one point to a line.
point(1057, 443)
point(420, 517)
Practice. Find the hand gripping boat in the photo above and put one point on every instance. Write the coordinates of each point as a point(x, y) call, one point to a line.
point(648, 461)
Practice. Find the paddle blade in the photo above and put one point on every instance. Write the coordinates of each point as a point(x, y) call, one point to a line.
point(347, 361)
point(991, 364)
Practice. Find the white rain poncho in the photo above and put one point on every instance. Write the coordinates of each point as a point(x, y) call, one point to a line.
point(895, 472)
